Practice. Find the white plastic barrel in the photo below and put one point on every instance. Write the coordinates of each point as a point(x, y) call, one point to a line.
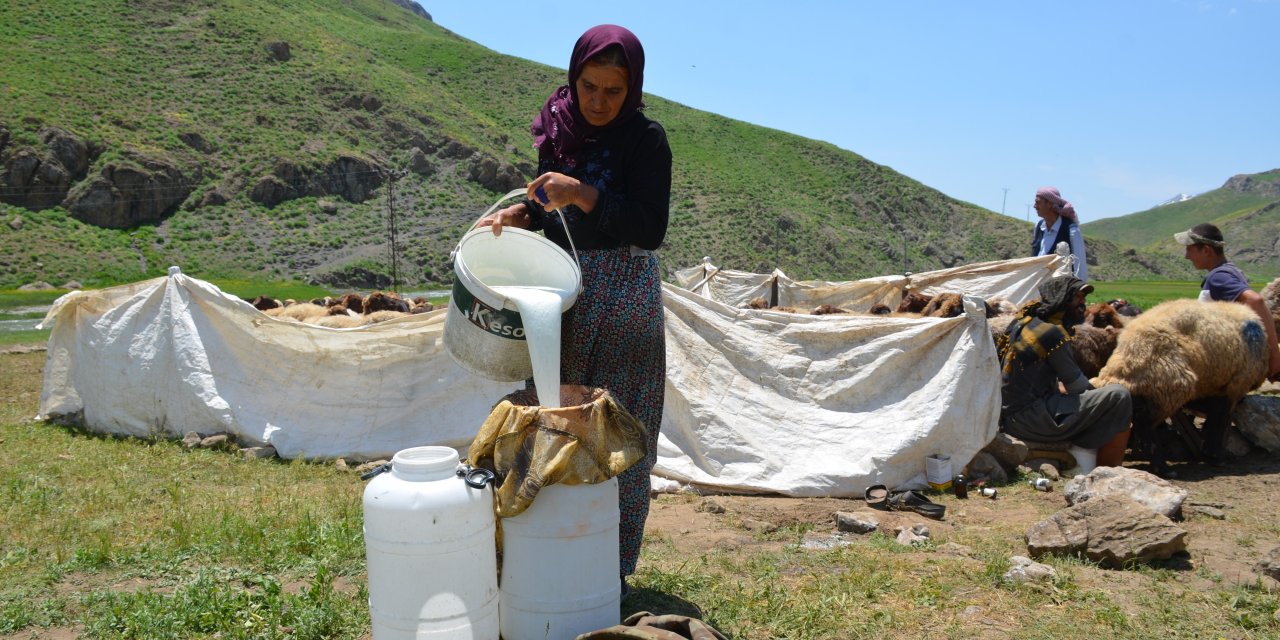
point(429, 542)
point(560, 564)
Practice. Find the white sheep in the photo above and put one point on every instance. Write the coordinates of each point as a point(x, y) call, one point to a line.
point(1182, 351)
point(1271, 296)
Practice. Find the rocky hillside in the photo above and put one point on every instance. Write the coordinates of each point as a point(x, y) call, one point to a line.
point(1246, 208)
point(351, 143)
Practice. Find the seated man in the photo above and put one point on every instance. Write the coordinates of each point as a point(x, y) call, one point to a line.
point(1044, 397)
point(1226, 283)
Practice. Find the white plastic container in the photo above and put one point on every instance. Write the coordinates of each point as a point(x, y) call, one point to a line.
point(482, 330)
point(560, 564)
point(432, 557)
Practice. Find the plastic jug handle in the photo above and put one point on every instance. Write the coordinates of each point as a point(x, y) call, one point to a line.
point(476, 477)
point(370, 474)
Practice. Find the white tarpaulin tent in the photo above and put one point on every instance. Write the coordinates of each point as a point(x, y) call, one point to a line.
point(756, 400)
point(804, 405)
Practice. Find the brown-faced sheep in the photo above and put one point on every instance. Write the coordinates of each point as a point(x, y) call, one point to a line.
point(826, 309)
point(1182, 351)
point(352, 301)
point(880, 309)
point(384, 301)
point(262, 303)
point(913, 303)
point(757, 302)
point(944, 305)
point(1102, 314)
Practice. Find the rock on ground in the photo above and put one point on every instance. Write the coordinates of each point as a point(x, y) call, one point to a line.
point(1154, 492)
point(1258, 420)
point(1113, 530)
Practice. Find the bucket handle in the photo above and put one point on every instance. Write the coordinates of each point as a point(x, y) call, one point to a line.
point(509, 195)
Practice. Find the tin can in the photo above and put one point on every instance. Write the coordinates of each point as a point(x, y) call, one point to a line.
point(1042, 484)
point(961, 486)
point(988, 492)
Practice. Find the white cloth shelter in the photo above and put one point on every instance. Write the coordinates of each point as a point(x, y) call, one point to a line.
point(757, 401)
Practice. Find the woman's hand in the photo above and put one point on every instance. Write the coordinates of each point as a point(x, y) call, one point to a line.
point(514, 216)
point(556, 191)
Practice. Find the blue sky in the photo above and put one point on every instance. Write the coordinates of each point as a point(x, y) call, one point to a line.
point(1121, 104)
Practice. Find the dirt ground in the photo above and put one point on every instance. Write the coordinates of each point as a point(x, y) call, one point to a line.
point(1228, 515)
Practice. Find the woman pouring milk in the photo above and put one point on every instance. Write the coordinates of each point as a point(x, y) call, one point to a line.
point(607, 168)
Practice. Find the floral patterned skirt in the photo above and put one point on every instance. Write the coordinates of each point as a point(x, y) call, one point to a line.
point(613, 338)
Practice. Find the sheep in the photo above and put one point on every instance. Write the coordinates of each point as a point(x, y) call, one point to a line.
point(944, 305)
point(826, 309)
point(1182, 351)
point(1103, 314)
point(913, 302)
point(380, 301)
point(383, 315)
point(999, 306)
point(1271, 296)
point(298, 312)
point(262, 303)
point(1092, 346)
point(338, 322)
point(1124, 308)
point(880, 310)
point(352, 301)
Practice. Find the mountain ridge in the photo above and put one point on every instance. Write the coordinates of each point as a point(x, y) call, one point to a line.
point(1245, 207)
point(309, 138)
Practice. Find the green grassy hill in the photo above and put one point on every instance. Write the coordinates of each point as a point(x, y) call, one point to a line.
point(245, 139)
point(1246, 208)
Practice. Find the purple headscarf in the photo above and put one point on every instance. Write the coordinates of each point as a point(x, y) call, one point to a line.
point(560, 130)
point(1060, 205)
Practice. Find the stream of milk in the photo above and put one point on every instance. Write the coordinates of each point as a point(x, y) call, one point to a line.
point(540, 309)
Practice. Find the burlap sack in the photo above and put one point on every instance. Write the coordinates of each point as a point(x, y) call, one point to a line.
point(587, 441)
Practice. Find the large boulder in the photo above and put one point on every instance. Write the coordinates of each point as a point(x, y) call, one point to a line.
point(1147, 489)
point(37, 178)
point(351, 176)
point(1112, 530)
point(1258, 420)
point(493, 175)
point(141, 189)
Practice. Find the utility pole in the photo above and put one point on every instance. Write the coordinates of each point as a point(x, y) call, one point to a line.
point(1028, 213)
point(1004, 200)
point(392, 230)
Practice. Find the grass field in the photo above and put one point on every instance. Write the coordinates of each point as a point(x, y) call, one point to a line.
point(143, 539)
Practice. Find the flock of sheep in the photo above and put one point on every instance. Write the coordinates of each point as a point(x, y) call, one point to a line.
point(1205, 356)
point(346, 311)
point(1179, 353)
